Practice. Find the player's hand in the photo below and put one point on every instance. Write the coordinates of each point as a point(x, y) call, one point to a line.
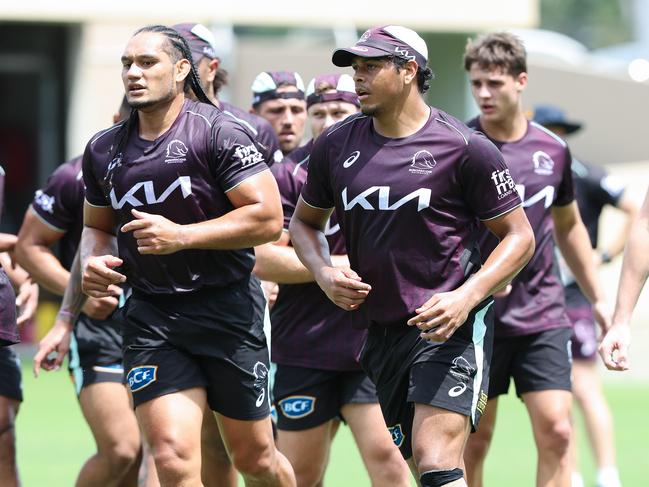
point(271, 290)
point(614, 348)
point(603, 315)
point(343, 286)
point(154, 233)
point(100, 308)
point(26, 302)
point(441, 315)
point(53, 348)
point(99, 280)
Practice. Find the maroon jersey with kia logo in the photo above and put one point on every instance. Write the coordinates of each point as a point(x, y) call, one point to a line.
point(540, 164)
point(184, 175)
point(410, 208)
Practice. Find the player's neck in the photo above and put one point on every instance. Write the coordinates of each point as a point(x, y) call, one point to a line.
point(403, 120)
point(156, 121)
point(509, 129)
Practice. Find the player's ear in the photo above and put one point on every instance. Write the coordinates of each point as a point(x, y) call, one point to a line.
point(410, 69)
point(183, 67)
point(521, 80)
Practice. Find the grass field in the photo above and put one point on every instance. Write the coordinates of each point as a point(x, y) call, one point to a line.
point(53, 440)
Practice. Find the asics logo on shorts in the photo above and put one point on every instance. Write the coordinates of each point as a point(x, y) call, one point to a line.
point(397, 435)
point(462, 371)
point(296, 407)
point(260, 371)
point(140, 377)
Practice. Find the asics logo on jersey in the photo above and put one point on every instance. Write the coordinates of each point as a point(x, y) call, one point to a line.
point(503, 182)
point(145, 189)
point(543, 163)
point(397, 435)
point(260, 371)
point(248, 155)
point(422, 162)
point(176, 152)
point(295, 407)
point(45, 201)
point(422, 195)
point(140, 377)
point(462, 371)
point(351, 159)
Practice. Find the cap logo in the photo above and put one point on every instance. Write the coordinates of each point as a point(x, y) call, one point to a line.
point(365, 36)
point(404, 53)
point(359, 48)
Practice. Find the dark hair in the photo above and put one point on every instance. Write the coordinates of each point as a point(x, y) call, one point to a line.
point(220, 80)
point(177, 48)
point(498, 50)
point(424, 75)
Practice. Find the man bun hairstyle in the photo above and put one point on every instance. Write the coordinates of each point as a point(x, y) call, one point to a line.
point(497, 50)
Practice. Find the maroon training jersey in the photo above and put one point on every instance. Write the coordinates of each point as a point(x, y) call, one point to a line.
point(409, 208)
point(184, 175)
point(261, 130)
point(308, 330)
point(59, 204)
point(540, 164)
point(8, 329)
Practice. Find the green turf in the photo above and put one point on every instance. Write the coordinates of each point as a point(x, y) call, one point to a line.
point(53, 440)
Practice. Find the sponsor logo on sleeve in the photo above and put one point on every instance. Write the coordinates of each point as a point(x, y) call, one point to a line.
point(461, 371)
point(543, 163)
point(176, 152)
point(142, 376)
point(422, 163)
point(503, 182)
point(45, 201)
point(260, 371)
point(353, 157)
point(248, 155)
point(295, 407)
point(396, 432)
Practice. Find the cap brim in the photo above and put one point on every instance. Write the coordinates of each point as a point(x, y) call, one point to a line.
point(571, 128)
point(343, 57)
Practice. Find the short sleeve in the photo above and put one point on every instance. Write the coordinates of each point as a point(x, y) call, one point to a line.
point(566, 189)
point(59, 202)
point(606, 188)
point(317, 191)
point(290, 179)
point(94, 191)
point(236, 155)
point(488, 186)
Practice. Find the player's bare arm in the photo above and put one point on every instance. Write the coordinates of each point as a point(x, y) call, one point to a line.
point(443, 313)
point(635, 270)
point(7, 242)
point(34, 253)
point(573, 241)
point(98, 249)
point(630, 209)
point(27, 291)
point(256, 219)
point(343, 286)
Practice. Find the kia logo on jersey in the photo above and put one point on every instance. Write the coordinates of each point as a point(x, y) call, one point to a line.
point(146, 189)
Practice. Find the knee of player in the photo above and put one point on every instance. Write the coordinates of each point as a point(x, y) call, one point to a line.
point(309, 475)
point(171, 453)
point(556, 436)
point(254, 460)
point(122, 454)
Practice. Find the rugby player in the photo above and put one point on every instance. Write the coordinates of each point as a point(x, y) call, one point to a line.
point(594, 189)
point(188, 194)
point(10, 373)
point(92, 338)
point(318, 380)
point(213, 77)
point(278, 96)
point(614, 348)
point(410, 185)
point(532, 340)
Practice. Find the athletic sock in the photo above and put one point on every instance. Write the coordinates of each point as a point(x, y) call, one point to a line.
point(577, 480)
point(608, 477)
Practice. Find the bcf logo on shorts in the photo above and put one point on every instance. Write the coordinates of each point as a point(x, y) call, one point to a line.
point(140, 377)
point(296, 407)
point(397, 435)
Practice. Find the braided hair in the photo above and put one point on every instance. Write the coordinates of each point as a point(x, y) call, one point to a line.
point(177, 48)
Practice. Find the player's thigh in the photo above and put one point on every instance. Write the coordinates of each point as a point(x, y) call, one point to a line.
point(586, 379)
point(368, 427)
point(308, 449)
point(247, 441)
point(174, 420)
point(549, 411)
point(109, 413)
point(438, 437)
point(8, 411)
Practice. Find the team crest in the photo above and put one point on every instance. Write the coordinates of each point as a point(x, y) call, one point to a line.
point(176, 152)
point(140, 377)
point(397, 435)
point(422, 162)
point(543, 163)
